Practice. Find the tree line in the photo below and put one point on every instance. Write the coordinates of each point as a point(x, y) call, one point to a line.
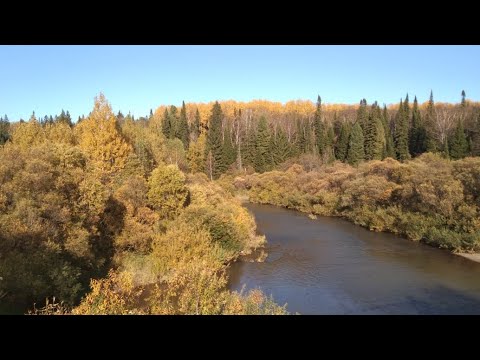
point(260, 136)
point(260, 139)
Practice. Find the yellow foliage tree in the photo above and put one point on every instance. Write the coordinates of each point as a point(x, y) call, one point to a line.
point(100, 138)
point(167, 192)
point(59, 132)
point(28, 134)
point(196, 154)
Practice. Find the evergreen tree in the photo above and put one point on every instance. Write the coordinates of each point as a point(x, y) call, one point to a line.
point(249, 147)
point(446, 151)
point(64, 118)
point(417, 136)
point(301, 142)
point(375, 142)
point(319, 128)
point(151, 115)
point(356, 152)
point(166, 124)
point(304, 137)
point(342, 142)
point(33, 117)
point(362, 114)
point(281, 147)
point(4, 130)
point(120, 117)
point(183, 132)
point(401, 134)
point(475, 146)
point(369, 135)
point(430, 142)
point(68, 119)
point(381, 140)
point(459, 144)
point(228, 154)
point(196, 125)
point(463, 98)
point(215, 143)
point(329, 148)
point(406, 109)
point(309, 136)
point(262, 159)
point(173, 122)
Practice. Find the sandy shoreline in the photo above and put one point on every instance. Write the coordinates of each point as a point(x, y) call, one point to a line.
point(473, 257)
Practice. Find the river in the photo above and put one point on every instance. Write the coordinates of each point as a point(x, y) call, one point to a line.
point(331, 266)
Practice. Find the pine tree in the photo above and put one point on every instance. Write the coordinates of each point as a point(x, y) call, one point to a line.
point(183, 132)
point(446, 150)
point(459, 143)
point(196, 125)
point(375, 142)
point(417, 136)
point(301, 142)
point(406, 109)
point(281, 147)
point(463, 98)
point(475, 146)
point(305, 137)
point(401, 134)
point(68, 119)
point(228, 150)
point(342, 142)
point(370, 135)
point(262, 144)
point(166, 124)
point(4, 130)
point(214, 142)
point(33, 117)
point(249, 147)
point(120, 117)
point(329, 153)
point(319, 128)
point(173, 122)
point(362, 114)
point(356, 152)
point(430, 142)
point(309, 136)
point(381, 140)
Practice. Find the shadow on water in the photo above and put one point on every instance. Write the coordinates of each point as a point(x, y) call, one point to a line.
point(330, 266)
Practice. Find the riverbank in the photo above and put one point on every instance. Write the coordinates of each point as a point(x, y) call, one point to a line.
point(470, 256)
point(428, 199)
point(331, 266)
point(473, 257)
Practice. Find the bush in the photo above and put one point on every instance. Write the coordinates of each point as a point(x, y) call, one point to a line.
point(428, 198)
point(167, 192)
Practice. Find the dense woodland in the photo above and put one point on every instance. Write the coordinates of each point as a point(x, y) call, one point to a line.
point(118, 215)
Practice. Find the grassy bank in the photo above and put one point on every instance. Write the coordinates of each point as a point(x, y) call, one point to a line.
point(428, 199)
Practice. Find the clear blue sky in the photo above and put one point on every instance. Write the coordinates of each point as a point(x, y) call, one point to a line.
point(138, 78)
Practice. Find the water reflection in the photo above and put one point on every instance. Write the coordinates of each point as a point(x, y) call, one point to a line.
point(330, 266)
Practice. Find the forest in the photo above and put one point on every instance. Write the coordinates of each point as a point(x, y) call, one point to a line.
point(115, 215)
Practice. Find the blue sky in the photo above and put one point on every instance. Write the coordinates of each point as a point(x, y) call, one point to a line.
point(137, 78)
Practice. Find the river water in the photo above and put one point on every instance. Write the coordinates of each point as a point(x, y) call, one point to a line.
point(331, 266)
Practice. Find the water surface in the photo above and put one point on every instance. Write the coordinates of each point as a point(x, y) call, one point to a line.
point(331, 266)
